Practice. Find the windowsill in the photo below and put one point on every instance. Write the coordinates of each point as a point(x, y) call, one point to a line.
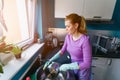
point(13, 67)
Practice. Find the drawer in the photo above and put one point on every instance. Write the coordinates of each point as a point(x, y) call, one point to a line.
point(99, 61)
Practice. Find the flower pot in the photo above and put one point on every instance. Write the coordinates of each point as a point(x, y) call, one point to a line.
point(6, 57)
point(18, 56)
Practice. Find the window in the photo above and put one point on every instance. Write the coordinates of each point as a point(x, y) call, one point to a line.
point(18, 17)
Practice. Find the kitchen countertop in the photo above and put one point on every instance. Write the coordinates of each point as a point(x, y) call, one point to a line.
point(113, 54)
point(17, 67)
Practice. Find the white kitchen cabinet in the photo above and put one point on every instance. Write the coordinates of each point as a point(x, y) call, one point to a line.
point(99, 9)
point(90, 9)
point(65, 7)
point(99, 68)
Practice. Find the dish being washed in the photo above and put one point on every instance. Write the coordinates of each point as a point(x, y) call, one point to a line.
point(52, 73)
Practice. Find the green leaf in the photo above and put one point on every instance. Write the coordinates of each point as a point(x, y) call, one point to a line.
point(1, 69)
point(16, 50)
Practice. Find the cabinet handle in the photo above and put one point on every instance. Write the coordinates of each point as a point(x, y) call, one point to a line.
point(97, 17)
point(94, 58)
point(109, 62)
point(93, 66)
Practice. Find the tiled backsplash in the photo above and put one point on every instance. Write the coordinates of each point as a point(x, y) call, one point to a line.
point(114, 36)
point(105, 43)
point(58, 32)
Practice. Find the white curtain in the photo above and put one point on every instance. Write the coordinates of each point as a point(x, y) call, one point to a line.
point(1, 31)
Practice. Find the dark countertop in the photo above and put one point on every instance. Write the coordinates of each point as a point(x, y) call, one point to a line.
point(115, 54)
point(97, 52)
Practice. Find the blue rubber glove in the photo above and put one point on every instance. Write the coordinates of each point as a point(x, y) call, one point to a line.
point(71, 66)
point(57, 55)
point(46, 64)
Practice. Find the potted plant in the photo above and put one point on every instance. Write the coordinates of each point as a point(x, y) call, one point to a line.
point(16, 51)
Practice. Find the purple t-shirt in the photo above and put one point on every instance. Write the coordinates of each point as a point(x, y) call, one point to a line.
point(80, 50)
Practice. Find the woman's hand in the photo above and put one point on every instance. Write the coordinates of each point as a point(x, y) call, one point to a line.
point(46, 64)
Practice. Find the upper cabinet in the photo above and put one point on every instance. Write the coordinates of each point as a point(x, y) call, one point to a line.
point(65, 7)
point(99, 9)
point(90, 9)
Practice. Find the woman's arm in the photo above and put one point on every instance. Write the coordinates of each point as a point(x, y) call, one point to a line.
point(63, 49)
point(87, 54)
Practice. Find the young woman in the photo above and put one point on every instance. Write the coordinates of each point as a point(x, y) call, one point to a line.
point(78, 45)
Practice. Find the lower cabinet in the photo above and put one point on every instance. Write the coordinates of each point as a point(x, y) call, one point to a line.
point(105, 68)
point(113, 71)
point(99, 68)
point(31, 72)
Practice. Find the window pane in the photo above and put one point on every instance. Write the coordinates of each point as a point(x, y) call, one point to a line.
point(18, 16)
point(11, 20)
